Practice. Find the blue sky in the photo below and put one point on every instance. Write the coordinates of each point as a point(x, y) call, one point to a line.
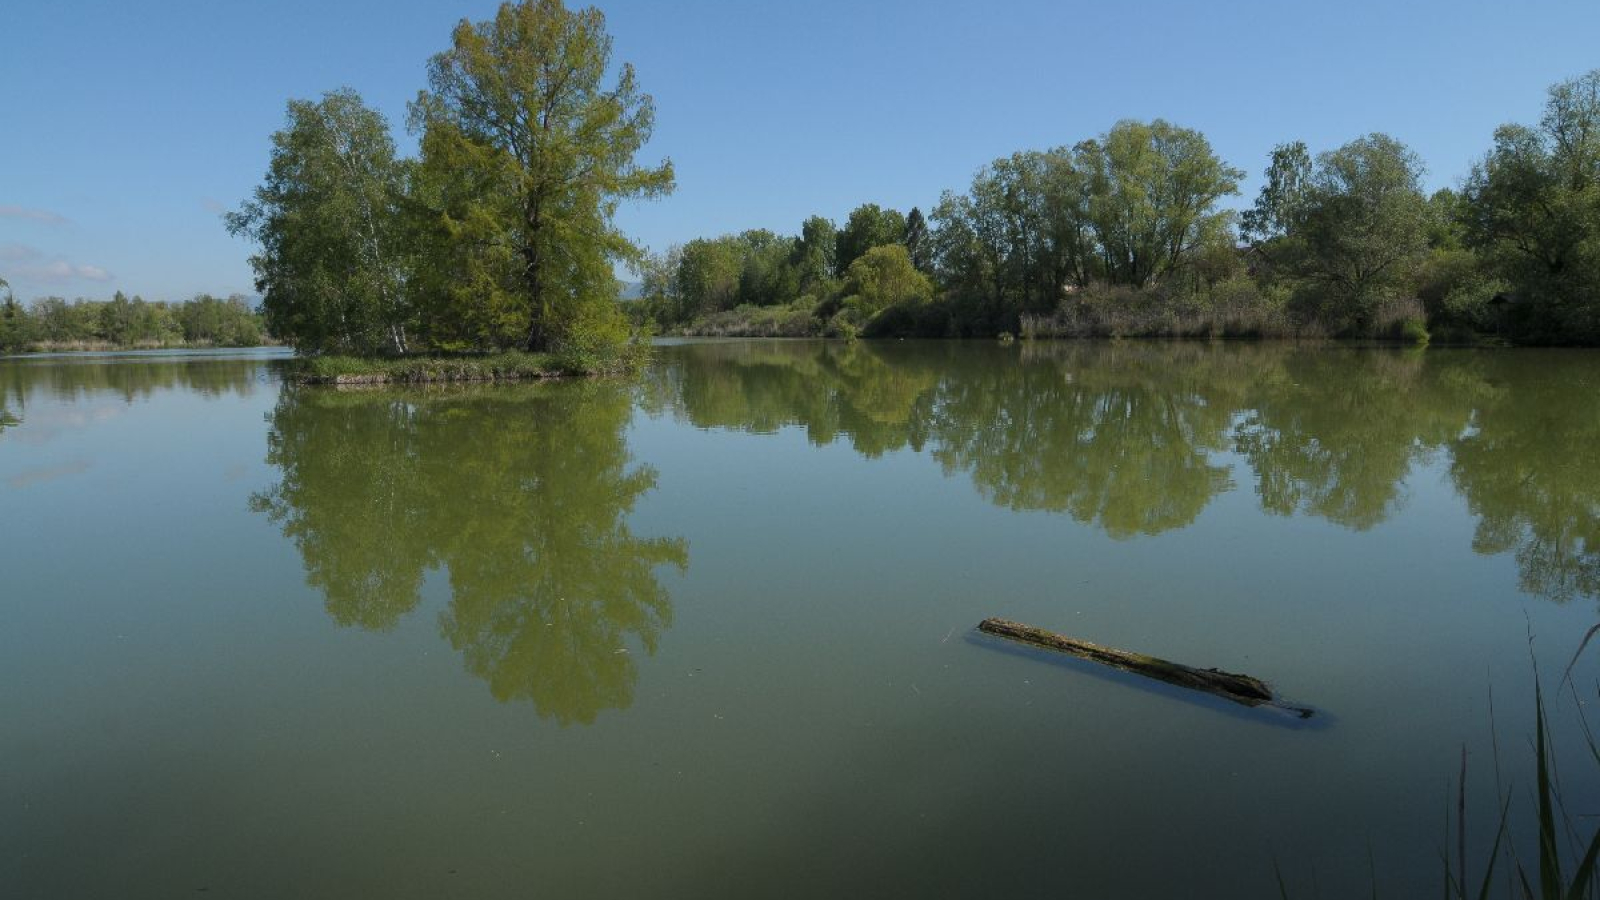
point(127, 128)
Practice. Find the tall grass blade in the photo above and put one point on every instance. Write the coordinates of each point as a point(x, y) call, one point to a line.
point(1585, 873)
point(1461, 824)
point(1587, 636)
point(1549, 846)
point(1494, 854)
point(1451, 889)
point(1527, 889)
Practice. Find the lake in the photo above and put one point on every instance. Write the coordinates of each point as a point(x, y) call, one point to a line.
point(710, 632)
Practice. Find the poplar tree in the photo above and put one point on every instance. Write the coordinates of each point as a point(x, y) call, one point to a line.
point(526, 154)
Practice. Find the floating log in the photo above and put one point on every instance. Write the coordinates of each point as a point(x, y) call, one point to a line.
point(1241, 689)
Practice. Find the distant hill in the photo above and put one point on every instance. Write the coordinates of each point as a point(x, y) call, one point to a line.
point(631, 290)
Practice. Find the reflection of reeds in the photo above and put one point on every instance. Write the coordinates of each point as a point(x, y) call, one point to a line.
point(1554, 828)
point(1551, 884)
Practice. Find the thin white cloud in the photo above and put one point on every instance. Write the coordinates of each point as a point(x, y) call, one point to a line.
point(57, 271)
point(17, 253)
point(36, 215)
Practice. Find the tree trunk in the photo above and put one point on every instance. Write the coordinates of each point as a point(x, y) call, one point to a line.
point(1241, 689)
point(538, 337)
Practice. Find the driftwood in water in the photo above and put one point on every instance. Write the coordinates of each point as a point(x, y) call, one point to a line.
point(1228, 685)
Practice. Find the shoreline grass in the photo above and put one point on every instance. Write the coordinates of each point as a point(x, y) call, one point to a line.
point(425, 369)
point(488, 367)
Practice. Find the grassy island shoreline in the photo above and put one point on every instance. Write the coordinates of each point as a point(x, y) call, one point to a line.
point(513, 365)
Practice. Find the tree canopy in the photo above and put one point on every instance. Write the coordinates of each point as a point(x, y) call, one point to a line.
point(531, 152)
point(499, 236)
point(1153, 189)
point(1532, 208)
point(331, 269)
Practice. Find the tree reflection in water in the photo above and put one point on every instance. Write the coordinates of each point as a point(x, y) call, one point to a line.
point(1529, 469)
point(1132, 437)
point(521, 493)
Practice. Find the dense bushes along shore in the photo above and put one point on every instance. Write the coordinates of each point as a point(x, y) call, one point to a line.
point(1124, 235)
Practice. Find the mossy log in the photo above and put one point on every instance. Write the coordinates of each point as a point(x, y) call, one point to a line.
point(1242, 689)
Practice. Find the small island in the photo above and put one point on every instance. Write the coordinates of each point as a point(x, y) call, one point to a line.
point(490, 256)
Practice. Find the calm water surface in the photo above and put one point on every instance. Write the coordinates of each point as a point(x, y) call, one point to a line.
point(710, 633)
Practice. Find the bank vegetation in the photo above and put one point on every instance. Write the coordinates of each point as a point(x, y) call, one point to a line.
point(1128, 234)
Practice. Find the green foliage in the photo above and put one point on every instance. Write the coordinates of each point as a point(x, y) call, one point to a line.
point(1532, 208)
point(797, 319)
point(1017, 240)
point(869, 226)
point(1282, 202)
point(1123, 235)
point(221, 323)
point(331, 268)
point(884, 277)
point(16, 328)
point(129, 323)
point(525, 155)
point(1153, 190)
point(815, 254)
point(1233, 307)
point(1347, 233)
point(769, 275)
point(499, 236)
point(509, 366)
point(916, 240)
point(709, 271)
point(1366, 225)
point(1134, 206)
point(600, 342)
point(706, 284)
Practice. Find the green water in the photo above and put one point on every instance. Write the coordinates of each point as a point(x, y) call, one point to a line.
point(709, 633)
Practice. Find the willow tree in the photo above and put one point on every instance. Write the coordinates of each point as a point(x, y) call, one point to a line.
point(526, 154)
point(1154, 190)
point(1364, 223)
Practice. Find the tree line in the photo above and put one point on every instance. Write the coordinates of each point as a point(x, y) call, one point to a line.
point(124, 322)
point(498, 236)
point(1125, 234)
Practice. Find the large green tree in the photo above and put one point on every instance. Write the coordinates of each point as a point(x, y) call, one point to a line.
point(708, 274)
point(1363, 228)
point(869, 225)
point(1532, 207)
point(769, 275)
point(332, 267)
point(528, 153)
point(814, 254)
point(916, 239)
point(884, 277)
point(1013, 242)
point(1282, 201)
point(1153, 193)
